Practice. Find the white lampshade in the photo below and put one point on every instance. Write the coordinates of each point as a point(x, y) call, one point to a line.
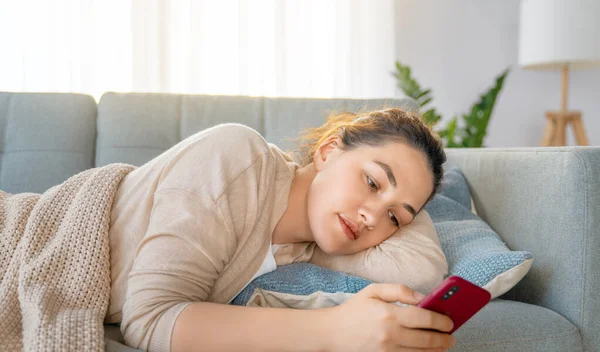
point(555, 33)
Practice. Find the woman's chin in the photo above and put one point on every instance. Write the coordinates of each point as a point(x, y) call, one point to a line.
point(332, 248)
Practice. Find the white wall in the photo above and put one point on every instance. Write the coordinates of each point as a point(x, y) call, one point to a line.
point(458, 47)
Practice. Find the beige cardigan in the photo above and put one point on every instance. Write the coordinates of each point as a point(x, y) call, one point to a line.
point(195, 224)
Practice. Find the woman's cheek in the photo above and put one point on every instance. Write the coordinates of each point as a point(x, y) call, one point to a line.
point(319, 214)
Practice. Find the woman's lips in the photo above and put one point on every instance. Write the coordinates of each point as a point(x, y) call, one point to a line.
point(347, 231)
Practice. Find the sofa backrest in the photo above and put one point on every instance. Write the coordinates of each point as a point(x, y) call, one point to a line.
point(136, 127)
point(47, 137)
point(44, 139)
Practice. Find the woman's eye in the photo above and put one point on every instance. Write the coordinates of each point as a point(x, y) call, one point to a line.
point(394, 219)
point(372, 184)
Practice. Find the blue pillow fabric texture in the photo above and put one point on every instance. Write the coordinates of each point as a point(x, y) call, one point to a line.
point(302, 279)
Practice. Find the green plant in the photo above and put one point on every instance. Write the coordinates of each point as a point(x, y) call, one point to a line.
point(472, 131)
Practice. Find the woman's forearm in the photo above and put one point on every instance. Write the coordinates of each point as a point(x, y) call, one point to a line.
point(207, 326)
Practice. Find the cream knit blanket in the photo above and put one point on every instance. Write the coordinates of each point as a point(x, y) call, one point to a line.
point(54, 263)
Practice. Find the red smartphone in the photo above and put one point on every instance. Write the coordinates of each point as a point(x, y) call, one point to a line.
point(457, 298)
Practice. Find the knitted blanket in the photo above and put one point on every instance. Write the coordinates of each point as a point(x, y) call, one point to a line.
point(54, 263)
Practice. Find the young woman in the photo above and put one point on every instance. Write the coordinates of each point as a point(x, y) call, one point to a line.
point(192, 227)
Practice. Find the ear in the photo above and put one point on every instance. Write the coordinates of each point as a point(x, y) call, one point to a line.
point(324, 150)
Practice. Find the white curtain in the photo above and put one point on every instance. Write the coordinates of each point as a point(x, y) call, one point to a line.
point(319, 48)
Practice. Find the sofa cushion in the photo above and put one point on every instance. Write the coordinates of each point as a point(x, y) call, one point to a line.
point(514, 326)
point(136, 127)
point(44, 139)
point(114, 341)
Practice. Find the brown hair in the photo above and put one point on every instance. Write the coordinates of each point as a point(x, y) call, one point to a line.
point(376, 128)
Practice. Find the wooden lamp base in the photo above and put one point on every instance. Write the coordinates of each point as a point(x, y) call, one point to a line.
point(556, 128)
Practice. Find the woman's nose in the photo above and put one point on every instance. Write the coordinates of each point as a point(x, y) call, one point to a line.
point(370, 214)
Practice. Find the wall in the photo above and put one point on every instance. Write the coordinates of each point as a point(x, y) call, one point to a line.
point(458, 47)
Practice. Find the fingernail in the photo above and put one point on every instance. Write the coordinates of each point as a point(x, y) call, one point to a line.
point(418, 295)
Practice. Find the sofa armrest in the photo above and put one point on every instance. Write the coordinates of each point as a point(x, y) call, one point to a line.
point(546, 201)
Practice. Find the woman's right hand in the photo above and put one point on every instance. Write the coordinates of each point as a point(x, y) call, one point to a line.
point(370, 321)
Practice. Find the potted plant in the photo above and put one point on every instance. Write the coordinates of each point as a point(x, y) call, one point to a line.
point(471, 133)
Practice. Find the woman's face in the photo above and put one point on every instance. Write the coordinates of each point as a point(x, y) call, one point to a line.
point(360, 197)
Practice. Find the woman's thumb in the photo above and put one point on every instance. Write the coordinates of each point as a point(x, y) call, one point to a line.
point(394, 293)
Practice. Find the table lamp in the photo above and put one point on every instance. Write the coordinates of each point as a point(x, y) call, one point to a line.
point(560, 35)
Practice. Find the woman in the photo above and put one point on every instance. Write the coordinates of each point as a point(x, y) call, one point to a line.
point(192, 227)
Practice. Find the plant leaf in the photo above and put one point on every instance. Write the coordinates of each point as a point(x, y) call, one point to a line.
point(477, 120)
point(424, 93)
point(412, 89)
point(425, 102)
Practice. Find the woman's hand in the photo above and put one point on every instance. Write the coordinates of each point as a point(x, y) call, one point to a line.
point(367, 322)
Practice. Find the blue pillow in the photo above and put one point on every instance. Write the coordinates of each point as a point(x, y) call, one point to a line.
point(473, 250)
point(302, 279)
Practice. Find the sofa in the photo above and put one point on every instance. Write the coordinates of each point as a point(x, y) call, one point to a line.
point(542, 200)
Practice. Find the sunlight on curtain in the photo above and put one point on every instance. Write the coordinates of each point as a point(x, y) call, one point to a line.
point(313, 48)
point(65, 46)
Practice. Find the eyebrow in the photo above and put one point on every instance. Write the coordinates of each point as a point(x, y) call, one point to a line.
point(388, 171)
point(392, 179)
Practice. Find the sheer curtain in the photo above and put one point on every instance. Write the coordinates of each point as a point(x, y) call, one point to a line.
point(319, 48)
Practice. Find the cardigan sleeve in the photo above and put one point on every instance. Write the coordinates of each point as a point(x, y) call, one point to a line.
point(186, 247)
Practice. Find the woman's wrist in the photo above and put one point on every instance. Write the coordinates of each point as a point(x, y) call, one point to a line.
point(325, 322)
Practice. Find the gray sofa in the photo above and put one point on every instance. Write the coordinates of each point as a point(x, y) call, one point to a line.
point(543, 200)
